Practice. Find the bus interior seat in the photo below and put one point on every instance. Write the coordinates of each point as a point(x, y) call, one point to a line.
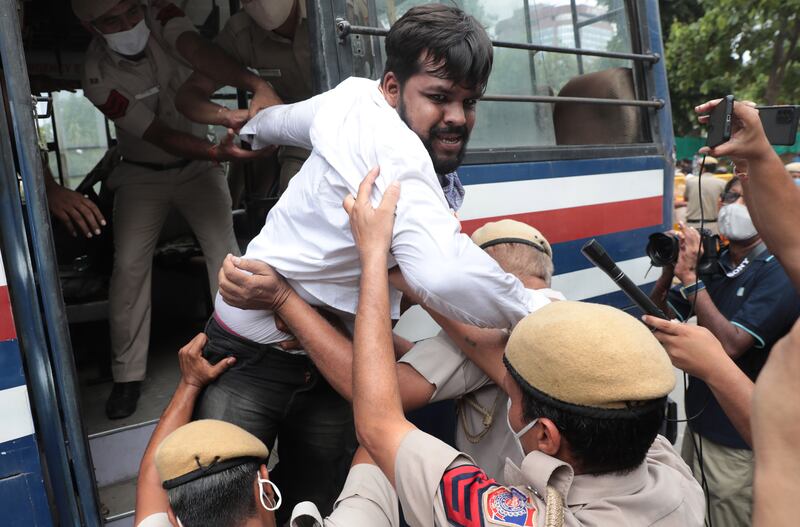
point(583, 124)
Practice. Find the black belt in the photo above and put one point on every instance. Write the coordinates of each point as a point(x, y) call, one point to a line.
point(704, 220)
point(159, 166)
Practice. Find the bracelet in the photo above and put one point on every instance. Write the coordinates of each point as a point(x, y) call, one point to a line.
point(692, 289)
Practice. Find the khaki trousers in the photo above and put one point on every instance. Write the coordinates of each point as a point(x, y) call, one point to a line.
point(142, 200)
point(729, 474)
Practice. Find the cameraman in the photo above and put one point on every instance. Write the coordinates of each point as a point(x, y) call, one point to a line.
point(747, 303)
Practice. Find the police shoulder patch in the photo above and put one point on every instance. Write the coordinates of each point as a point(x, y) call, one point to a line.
point(115, 106)
point(461, 489)
point(509, 507)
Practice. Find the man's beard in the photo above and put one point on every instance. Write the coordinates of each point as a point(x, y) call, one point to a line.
point(441, 166)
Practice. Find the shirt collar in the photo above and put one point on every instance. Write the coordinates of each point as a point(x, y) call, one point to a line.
point(588, 487)
point(539, 470)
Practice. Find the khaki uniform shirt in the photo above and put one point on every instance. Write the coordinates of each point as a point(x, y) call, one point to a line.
point(439, 486)
point(133, 94)
point(285, 63)
point(481, 428)
point(712, 189)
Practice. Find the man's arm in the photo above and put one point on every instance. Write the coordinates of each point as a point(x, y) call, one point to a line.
point(696, 351)
point(188, 146)
point(772, 197)
point(284, 124)
point(194, 101)
point(734, 340)
point(196, 372)
point(260, 287)
point(380, 422)
point(212, 61)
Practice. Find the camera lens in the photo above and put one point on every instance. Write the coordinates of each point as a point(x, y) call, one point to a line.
point(662, 249)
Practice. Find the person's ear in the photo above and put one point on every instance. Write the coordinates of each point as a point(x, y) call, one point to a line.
point(548, 438)
point(391, 89)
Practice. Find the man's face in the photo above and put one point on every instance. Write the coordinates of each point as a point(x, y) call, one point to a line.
point(442, 114)
point(124, 16)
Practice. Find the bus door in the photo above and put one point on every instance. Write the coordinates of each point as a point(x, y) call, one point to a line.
point(573, 135)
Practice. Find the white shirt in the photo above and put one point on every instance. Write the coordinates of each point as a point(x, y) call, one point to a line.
point(307, 237)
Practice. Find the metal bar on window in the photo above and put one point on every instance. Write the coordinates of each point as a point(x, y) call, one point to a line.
point(576, 32)
point(344, 28)
point(601, 18)
point(655, 103)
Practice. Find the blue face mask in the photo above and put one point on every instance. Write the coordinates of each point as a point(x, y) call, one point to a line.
point(518, 435)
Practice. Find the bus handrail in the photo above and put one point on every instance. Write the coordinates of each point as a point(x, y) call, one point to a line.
point(653, 103)
point(345, 28)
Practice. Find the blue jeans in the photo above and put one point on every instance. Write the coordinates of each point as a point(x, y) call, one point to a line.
point(271, 393)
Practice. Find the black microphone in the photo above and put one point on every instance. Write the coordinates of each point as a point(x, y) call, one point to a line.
point(595, 253)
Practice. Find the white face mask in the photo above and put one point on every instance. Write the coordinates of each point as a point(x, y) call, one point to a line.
point(518, 435)
point(266, 501)
point(130, 42)
point(269, 14)
point(734, 222)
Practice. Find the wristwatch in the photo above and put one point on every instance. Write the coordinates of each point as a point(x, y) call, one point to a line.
point(692, 289)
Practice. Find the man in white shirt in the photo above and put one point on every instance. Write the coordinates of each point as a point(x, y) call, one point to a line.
point(414, 125)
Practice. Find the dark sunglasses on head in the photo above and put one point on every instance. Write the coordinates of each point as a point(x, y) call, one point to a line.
point(730, 197)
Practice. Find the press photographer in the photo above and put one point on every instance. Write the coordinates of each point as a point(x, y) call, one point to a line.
point(746, 300)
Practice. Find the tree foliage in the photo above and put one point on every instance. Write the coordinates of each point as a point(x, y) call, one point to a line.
point(745, 47)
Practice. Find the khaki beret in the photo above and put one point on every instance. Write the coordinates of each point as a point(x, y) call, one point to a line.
point(205, 447)
point(88, 10)
point(588, 357)
point(710, 160)
point(793, 167)
point(510, 231)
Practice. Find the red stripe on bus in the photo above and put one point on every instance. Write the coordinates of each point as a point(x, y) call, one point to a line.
point(574, 223)
point(7, 331)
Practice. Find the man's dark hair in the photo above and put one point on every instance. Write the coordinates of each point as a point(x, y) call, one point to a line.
point(454, 44)
point(600, 444)
point(224, 499)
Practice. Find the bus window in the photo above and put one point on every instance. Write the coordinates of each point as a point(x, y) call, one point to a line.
point(595, 25)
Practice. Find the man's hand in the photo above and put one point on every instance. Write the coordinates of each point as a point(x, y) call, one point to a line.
point(748, 140)
point(74, 210)
point(690, 249)
point(264, 96)
point(371, 227)
point(227, 150)
point(234, 119)
point(252, 284)
point(195, 370)
point(693, 349)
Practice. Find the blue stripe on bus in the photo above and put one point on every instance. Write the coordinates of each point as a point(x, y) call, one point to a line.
point(620, 246)
point(23, 498)
point(11, 372)
point(499, 173)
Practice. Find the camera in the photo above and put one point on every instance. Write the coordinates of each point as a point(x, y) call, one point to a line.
point(663, 249)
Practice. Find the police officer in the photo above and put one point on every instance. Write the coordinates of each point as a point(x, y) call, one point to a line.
point(271, 37)
point(139, 56)
point(587, 387)
point(214, 472)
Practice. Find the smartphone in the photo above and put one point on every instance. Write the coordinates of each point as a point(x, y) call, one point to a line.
point(719, 122)
point(780, 123)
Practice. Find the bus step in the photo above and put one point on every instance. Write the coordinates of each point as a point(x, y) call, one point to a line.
point(119, 500)
point(116, 453)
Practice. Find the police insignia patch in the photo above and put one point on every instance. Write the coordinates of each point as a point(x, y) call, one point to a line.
point(504, 506)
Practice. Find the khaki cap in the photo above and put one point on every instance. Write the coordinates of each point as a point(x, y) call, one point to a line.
point(205, 447)
point(793, 167)
point(711, 160)
point(510, 231)
point(587, 357)
point(88, 10)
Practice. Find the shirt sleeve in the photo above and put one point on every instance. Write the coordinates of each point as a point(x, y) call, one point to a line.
point(284, 124)
point(770, 308)
point(439, 360)
point(114, 100)
point(442, 265)
point(168, 22)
